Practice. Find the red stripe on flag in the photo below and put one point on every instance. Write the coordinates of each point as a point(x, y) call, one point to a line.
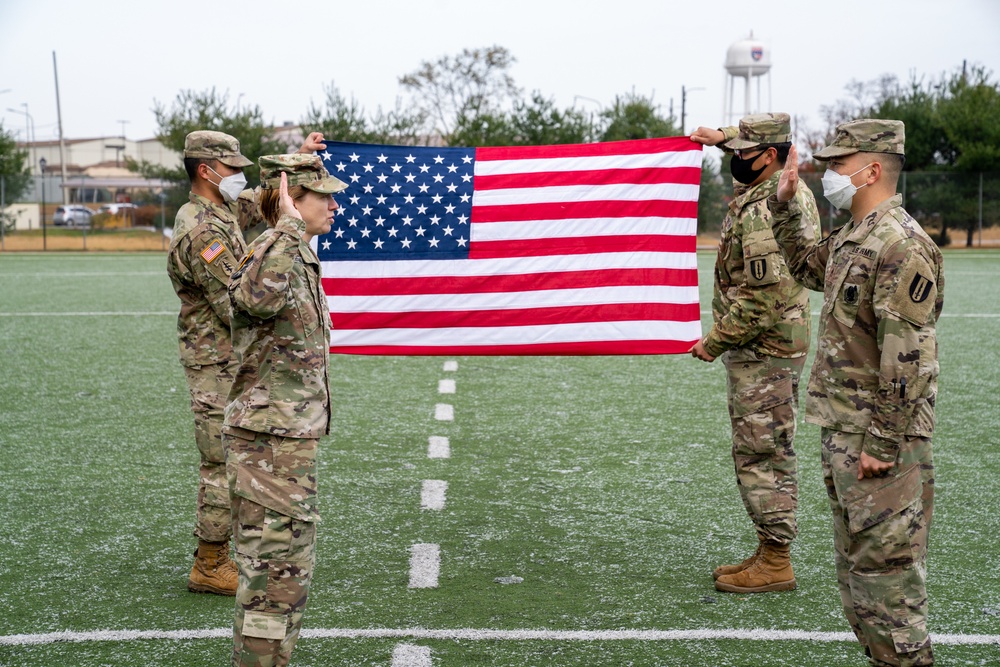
point(589, 348)
point(591, 209)
point(630, 147)
point(645, 176)
point(616, 312)
point(581, 245)
point(341, 286)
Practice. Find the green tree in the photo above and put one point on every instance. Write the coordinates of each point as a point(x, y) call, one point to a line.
point(474, 83)
point(952, 143)
point(635, 116)
point(210, 110)
point(533, 122)
point(13, 166)
point(343, 119)
point(714, 196)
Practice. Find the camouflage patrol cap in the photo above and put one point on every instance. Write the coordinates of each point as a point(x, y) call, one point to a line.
point(215, 146)
point(305, 170)
point(867, 135)
point(762, 128)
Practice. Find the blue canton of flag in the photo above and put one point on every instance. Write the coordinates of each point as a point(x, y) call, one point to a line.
point(401, 203)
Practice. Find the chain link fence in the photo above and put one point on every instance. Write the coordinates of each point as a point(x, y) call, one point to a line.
point(959, 209)
point(37, 219)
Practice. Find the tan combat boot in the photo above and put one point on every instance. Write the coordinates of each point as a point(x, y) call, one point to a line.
point(733, 569)
point(213, 571)
point(772, 571)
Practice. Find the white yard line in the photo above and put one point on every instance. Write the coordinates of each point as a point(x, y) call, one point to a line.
point(425, 564)
point(432, 494)
point(130, 313)
point(83, 274)
point(473, 634)
point(411, 655)
point(446, 386)
point(451, 366)
point(438, 447)
point(444, 412)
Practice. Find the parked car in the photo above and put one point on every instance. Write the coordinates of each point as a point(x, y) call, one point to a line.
point(74, 216)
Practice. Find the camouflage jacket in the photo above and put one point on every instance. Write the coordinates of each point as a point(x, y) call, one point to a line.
point(756, 303)
point(281, 334)
point(876, 361)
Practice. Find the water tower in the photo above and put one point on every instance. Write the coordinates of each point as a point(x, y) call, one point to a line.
point(747, 59)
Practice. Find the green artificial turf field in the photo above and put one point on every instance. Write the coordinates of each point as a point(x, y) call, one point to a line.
point(604, 483)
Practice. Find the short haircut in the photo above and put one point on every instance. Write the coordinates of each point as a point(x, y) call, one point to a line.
point(269, 206)
point(191, 165)
point(782, 150)
point(892, 165)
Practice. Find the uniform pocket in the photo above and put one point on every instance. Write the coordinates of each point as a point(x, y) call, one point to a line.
point(852, 291)
point(884, 500)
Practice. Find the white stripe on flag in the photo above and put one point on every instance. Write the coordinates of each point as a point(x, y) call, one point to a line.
point(577, 227)
point(513, 335)
point(520, 300)
point(579, 193)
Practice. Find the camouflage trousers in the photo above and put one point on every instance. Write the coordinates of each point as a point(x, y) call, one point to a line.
point(880, 529)
point(273, 484)
point(763, 403)
point(209, 387)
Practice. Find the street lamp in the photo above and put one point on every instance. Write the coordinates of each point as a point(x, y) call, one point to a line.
point(684, 92)
point(41, 165)
point(29, 123)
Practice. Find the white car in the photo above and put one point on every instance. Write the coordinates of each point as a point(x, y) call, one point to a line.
point(116, 209)
point(73, 216)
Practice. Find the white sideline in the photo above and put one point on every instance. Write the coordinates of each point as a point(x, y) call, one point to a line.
point(474, 634)
point(94, 313)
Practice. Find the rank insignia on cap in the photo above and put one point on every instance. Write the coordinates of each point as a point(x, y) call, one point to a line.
point(212, 251)
point(758, 268)
point(920, 287)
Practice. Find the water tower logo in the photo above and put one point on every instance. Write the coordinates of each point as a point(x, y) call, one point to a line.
point(757, 53)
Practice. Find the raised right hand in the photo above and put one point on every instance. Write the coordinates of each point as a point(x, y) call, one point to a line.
point(788, 182)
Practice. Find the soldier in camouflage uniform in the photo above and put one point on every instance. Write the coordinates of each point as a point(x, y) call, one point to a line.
point(205, 248)
point(204, 251)
point(874, 382)
point(279, 407)
point(761, 330)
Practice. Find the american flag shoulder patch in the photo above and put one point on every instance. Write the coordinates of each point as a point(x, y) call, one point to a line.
point(214, 249)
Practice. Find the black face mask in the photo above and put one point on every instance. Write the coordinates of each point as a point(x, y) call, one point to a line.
point(742, 171)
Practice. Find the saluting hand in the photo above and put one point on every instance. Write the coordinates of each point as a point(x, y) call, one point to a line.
point(285, 203)
point(788, 182)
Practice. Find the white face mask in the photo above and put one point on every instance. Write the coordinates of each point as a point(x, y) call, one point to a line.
point(838, 188)
point(230, 187)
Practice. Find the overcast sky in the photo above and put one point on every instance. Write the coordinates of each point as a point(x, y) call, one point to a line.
point(116, 57)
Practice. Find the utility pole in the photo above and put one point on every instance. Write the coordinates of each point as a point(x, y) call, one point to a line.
point(62, 142)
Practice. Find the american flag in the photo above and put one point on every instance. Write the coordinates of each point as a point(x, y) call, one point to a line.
point(570, 249)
